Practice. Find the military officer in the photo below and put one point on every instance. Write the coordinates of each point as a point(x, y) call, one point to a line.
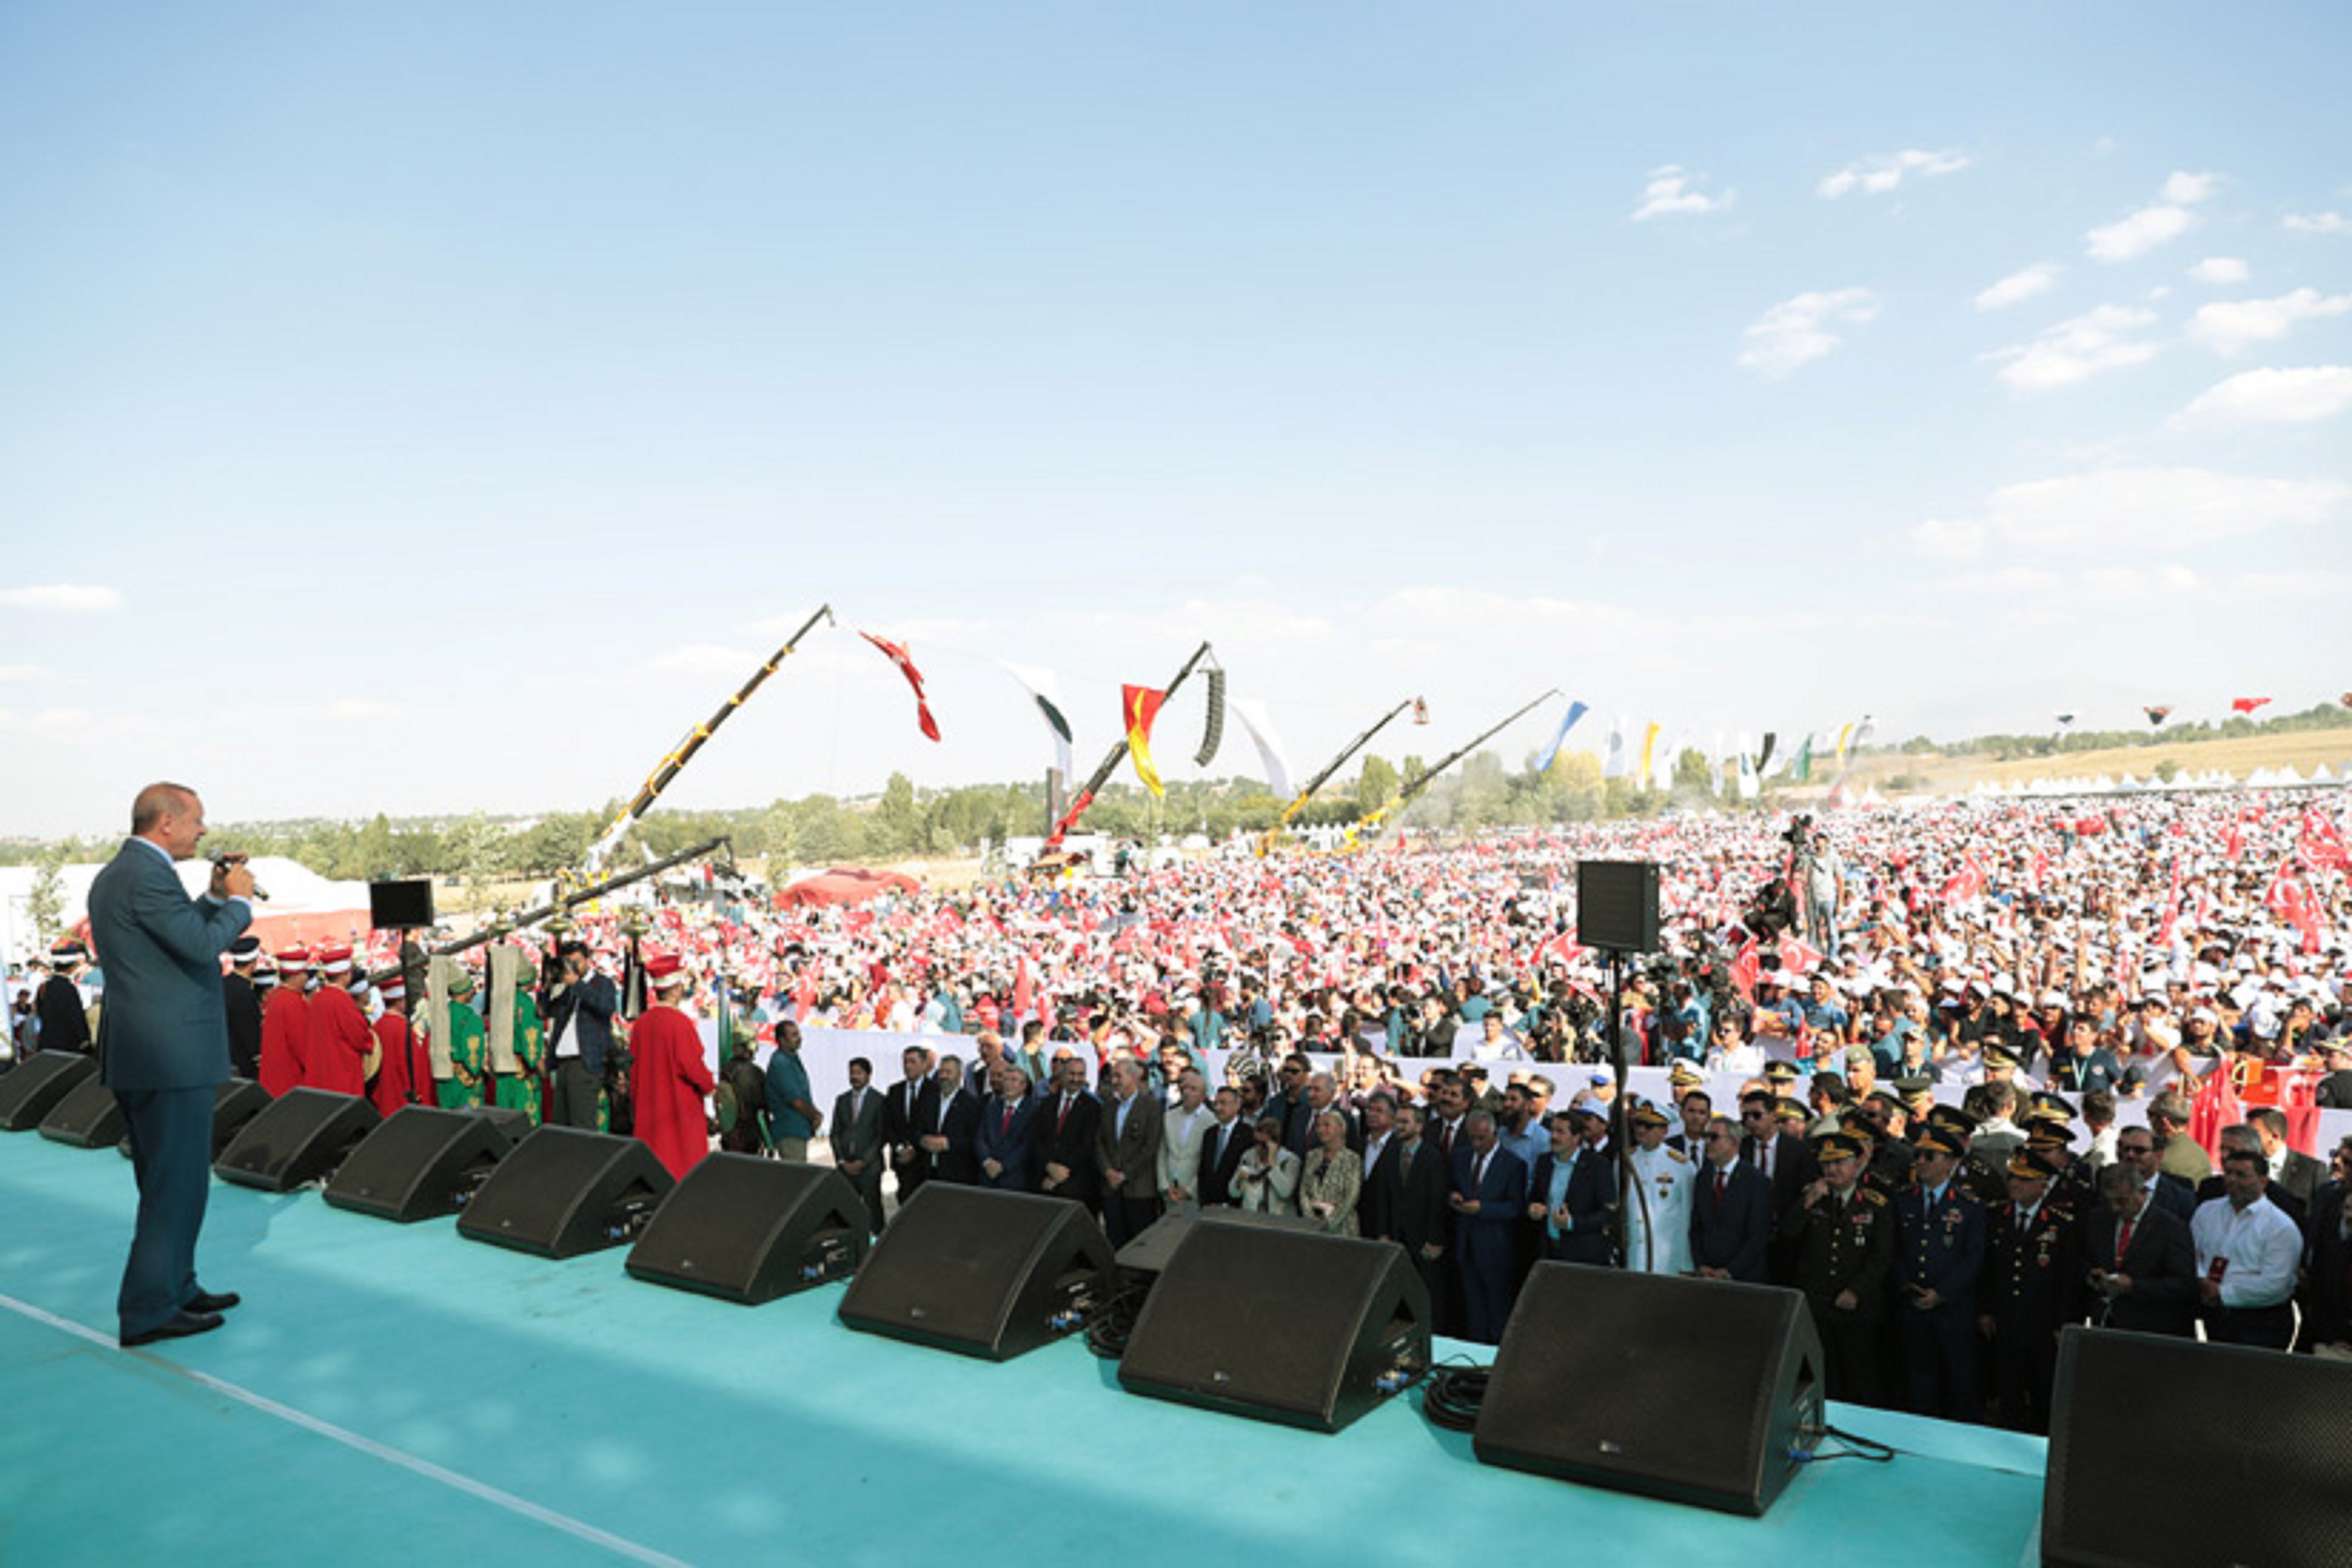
point(1843, 1230)
point(2031, 1290)
point(1657, 1215)
point(1940, 1252)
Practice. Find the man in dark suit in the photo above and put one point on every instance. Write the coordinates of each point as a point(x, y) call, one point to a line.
point(2295, 1171)
point(1376, 1209)
point(901, 1111)
point(1127, 1153)
point(947, 1128)
point(2137, 1151)
point(1572, 1193)
point(1004, 1142)
point(1731, 1211)
point(165, 1047)
point(1065, 1136)
point(1940, 1231)
point(1222, 1148)
point(1489, 1201)
point(580, 1040)
point(2327, 1258)
point(242, 1004)
point(1784, 1161)
point(2142, 1262)
point(1423, 1222)
point(856, 1137)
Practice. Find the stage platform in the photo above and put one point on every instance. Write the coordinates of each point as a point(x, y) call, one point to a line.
point(397, 1394)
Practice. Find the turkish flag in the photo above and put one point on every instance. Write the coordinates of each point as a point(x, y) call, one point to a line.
point(2248, 704)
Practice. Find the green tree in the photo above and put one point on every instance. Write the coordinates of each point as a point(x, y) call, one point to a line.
point(1377, 785)
point(45, 903)
point(896, 825)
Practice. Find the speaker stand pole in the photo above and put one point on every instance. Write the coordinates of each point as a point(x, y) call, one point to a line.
point(1620, 1129)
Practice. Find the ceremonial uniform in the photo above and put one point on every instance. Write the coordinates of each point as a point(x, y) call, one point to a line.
point(669, 1080)
point(519, 1089)
point(2031, 1288)
point(1940, 1247)
point(1847, 1244)
point(1661, 1207)
point(468, 1056)
point(397, 1081)
point(339, 1041)
point(285, 1034)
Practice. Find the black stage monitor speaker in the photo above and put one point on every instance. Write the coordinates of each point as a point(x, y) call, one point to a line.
point(421, 1164)
point(750, 1230)
point(235, 1102)
point(398, 906)
point(34, 1086)
point(1599, 1369)
point(2274, 1442)
point(982, 1272)
point(88, 1117)
point(302, 1136)
point(1617, 905)
point(564, 1191)
point(1149, 1254)
point(1304, 1329)
point(512, 1125)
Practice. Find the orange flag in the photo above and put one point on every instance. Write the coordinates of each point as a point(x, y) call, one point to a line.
point(1138, 706)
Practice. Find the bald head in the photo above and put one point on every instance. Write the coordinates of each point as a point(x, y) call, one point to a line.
point(158, 801)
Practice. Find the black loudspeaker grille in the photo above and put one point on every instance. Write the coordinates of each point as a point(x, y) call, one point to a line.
point(88, 1117)
point(1617, 905)
point(32, 1088)
point(750, 1230)
point(982, 1272)
point(1283, 1325)
point(2270, 1481)
point(302, 1136)
point(421, 1164)
point(563, 1191)
point(394, 906)
point(1598, 1370)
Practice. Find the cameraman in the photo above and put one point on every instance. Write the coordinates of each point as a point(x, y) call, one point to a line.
point(579, 1019)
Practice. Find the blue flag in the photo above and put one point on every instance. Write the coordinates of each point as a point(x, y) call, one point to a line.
point(1575, 710)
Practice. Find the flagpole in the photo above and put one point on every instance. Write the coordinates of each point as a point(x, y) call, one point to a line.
point(671, 766)
point(1265, 840)
point(1086, 796)
point(1424, 779)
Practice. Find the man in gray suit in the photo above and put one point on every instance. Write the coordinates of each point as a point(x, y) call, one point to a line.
point(857, 1137)
point(162, 1047)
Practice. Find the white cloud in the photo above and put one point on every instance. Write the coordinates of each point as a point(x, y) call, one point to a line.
point(1882, 172)
point(704, 658)
point(1672, 192)
point(2135, 235)
point(2299, 396)
point(2319, 223)
point(48, 721)
point(2331, 588)
point(1797, 330)
point(2186, 190)
point(2230, 326)
point(63, 596)
point(360, 710)
point(2020, 285)
point(2144, 510)
point(2221, 269)
point(9, 672)
point(1946, 539)
point(2074, 351)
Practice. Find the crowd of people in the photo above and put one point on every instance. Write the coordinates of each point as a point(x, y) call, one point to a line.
point(1405, 1043)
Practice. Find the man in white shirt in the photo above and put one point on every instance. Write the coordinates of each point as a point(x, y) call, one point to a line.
point(2247, 1253)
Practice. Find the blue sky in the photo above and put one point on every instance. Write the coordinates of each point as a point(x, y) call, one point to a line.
point(420, 407)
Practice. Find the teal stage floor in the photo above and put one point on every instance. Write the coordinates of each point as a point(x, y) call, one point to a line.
point(397, 1394)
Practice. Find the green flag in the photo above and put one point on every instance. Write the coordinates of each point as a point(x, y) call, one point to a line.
point(1803, 768)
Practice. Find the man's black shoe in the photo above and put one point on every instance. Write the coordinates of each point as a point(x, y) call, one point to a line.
point(205, 1302)
point(179, 1326)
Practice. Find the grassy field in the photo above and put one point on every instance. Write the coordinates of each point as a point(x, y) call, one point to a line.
point(2238, 754)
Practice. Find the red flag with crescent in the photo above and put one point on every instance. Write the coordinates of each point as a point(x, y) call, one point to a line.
point(898, 656)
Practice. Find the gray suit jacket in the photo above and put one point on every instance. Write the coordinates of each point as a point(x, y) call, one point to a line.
point(1135, 1153)
point(164, 1024)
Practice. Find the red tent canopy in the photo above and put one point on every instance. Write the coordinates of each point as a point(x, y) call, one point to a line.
point(844, 885)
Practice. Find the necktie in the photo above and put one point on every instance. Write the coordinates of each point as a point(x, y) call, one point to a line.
point(1005, 1126)
point(2123, 1241)
point(1062, 1115)
point(1445, 1142)
point(1478, 1174)
point(1718, 1186)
